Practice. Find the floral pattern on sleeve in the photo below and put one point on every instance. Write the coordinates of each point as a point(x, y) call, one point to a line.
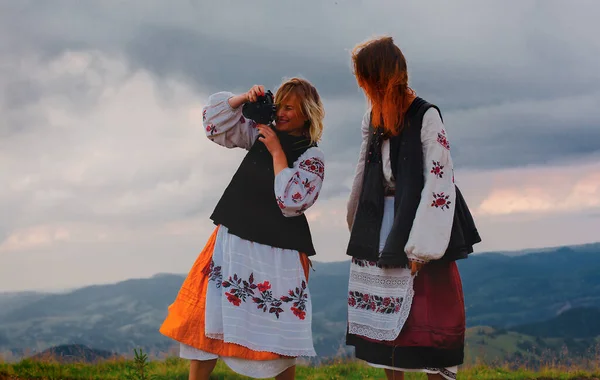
point(430, 234)
point(227, 126)
point(297, 188)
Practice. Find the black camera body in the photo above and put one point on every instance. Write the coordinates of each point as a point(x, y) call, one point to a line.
point(262, 111)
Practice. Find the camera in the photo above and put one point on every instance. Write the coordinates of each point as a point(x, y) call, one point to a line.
point(262, 111)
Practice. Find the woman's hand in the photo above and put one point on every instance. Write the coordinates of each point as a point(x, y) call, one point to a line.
point(271, 141)
point(253, 93)
point(250, 96)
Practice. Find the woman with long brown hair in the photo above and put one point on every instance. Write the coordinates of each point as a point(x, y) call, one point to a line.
point(408, 225)
point(246, 299)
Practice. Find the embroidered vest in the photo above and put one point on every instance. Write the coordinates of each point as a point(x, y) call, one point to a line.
point(248, 207)
point(406, 156)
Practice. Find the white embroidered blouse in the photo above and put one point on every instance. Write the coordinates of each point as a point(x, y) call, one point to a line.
point(430, 233)
point(296, 188)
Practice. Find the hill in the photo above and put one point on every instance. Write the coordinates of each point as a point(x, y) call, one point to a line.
point(73, 353)
point(575, 323)
point(513, 292)
point(572, 337)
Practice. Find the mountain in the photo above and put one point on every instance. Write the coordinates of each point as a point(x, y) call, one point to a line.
point(520, 292)
point(578, 323)
point(571, 337)
point(73, 353)
point(14, 300)
point(505, 291)
point(116, 317)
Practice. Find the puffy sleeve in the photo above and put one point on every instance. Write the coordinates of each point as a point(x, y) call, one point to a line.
point(359, 172)
point(225, 125)
point(430, 234)
point(297, 188)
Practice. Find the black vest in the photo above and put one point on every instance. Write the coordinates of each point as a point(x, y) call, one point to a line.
point(406, 156)
point(248, 207)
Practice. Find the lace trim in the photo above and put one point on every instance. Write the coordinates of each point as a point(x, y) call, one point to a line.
point(445, 372)
point(381, 334)
point(366, 278)
point(275, 350)
point(417, 260)
point(373, 279)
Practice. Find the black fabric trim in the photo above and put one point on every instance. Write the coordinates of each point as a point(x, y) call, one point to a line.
point(405, 357)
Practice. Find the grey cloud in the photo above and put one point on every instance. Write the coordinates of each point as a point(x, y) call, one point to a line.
point(218, 64)
point(517, 84)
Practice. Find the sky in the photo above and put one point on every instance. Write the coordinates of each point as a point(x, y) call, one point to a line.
point(106, 173)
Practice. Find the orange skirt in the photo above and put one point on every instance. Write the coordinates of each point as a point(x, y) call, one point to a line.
point(185, 319)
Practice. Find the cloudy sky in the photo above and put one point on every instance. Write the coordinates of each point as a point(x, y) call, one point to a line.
point(106, 173)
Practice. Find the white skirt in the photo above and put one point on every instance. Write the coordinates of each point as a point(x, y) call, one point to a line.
point(252, 368)
point(257, 297)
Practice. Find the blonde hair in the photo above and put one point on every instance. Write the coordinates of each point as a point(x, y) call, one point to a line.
point(310, 104)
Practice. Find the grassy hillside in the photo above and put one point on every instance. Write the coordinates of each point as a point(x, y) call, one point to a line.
point(177, 369)
point(492, 347)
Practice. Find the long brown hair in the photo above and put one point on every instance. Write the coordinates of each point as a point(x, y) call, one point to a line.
point(380, 70)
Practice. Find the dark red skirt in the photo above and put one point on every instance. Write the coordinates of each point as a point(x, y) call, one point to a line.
point(434, 334)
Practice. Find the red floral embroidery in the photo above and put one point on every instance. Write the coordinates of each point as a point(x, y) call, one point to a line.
point(214, 273)
point(299, 297)
point(298, 313)
point(211, 129)
point(280, 203)
point(296, 178)
point(442, 140)
point(314, 165)
point(297, 197)
point(204, 115)
point(437, 169)
point(378, 304)
point(264, 286)
point(241, 290)
point(265, 300)
point(242, 119)
point(441, 201)
point(233, 299)
point(252, 123)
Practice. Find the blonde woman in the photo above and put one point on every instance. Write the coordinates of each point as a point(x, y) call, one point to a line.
point(246, 299)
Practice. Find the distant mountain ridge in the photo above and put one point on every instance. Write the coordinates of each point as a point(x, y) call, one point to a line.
point(575, 323)
point(74, 353)
point(520, 292)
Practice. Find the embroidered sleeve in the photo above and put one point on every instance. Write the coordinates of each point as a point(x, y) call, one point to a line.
point(227, 126)
point(359, 172)
point(432, 226)
point(297, 188)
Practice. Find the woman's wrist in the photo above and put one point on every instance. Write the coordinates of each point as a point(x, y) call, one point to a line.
point(237, 100)
point(279, 162)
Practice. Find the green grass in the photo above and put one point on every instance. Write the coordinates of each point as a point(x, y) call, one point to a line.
point(177, 369)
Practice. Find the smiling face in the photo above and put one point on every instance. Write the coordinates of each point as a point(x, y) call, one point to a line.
point(289, 116)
